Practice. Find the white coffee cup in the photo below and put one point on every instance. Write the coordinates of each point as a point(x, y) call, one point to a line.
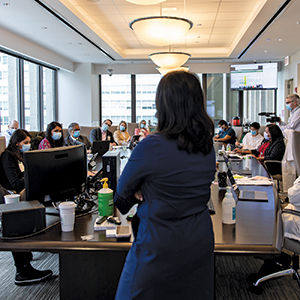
point(13, 198)
point(67, 215)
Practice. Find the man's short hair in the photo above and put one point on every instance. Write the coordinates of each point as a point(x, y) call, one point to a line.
point(111, 122)
point(294, 97)
point(223, 122)
point(255, 125)
point(71, 126)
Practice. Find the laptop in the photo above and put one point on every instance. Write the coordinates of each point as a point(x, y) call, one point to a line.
point(100, 147)
point(244, 195)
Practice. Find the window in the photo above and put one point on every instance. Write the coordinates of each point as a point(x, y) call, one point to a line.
point(116, 98)
point(146, 85)
point(24, 102)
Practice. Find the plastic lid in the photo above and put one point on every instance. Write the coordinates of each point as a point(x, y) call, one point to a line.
point(228, 189)
point(105, 185)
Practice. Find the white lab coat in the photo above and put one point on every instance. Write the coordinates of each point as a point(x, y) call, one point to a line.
point(292, 222)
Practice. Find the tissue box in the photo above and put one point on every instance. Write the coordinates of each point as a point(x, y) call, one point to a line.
point(22, 218)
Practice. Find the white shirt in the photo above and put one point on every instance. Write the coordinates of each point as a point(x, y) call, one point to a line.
point(251, 142)
point(293, 122)
point(7, 135)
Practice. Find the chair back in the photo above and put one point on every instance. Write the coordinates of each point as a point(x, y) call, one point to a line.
point(296, 152)
point(238, 132)
point(2, 144)
point(262, 130)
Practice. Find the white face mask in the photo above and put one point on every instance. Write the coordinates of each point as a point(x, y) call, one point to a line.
point(266, 136)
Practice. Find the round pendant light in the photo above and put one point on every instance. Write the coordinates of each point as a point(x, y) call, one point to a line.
point(169, 60)
point(161, 30)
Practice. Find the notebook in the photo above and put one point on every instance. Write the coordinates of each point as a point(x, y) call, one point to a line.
point(244, 195)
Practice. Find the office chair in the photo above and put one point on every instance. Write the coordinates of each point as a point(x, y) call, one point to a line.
point(290, 245)
point(2, 144)
point(238, 132)
point(274, 169)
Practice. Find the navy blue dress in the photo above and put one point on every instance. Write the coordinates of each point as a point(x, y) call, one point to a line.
point(172, 256)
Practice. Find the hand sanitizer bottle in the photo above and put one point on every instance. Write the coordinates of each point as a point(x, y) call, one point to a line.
point(228, 208)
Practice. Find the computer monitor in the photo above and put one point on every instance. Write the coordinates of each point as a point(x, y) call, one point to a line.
point(59, 172)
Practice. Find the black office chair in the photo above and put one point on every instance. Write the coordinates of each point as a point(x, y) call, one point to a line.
point(290, 245)
point(274, 169)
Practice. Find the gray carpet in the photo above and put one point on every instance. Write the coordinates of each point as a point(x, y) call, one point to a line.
point(231, 280)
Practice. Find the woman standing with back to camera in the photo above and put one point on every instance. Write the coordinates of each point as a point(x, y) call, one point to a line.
point(169, 174)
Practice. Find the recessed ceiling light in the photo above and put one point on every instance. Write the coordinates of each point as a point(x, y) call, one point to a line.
point(44, 28)
point(265, 51)
point(6, 4)
point(268, 40)
point(279, 40)
point(297, 23)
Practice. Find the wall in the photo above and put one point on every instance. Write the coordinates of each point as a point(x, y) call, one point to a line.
point(77, 92)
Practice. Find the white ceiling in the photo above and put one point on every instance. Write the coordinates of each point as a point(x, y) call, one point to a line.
point(222, 28)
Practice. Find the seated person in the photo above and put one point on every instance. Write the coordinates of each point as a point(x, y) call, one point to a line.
point(12, 178)
point(75, 138)
point(252, 140)
point(141, 130)
point(275, 150)
point(121, 135)
point(102, 133)
point(226, 134)
point(53, 136)
point(12, 127)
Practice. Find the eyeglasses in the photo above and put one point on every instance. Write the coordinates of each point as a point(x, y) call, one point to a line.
point(107, 123)
point(289, 102)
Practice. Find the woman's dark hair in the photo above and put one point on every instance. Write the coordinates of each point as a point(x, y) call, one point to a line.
point(48, 135)
point(275, 132)
point(17, 137)
point(181, 113)
point(223, 122)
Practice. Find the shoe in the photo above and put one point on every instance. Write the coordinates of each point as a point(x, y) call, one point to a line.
point(28, 275)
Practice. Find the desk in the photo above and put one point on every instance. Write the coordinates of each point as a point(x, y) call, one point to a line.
point(91, 269)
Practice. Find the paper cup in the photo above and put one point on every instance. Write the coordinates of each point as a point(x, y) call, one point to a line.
point(14, 198)
point(67, 216)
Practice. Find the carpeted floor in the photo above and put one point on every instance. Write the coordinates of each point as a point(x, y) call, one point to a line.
point(231, 280)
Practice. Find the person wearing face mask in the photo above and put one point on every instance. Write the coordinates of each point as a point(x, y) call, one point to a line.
point(292, 104)
point(141, 130)
point(252, 139)
point(121, 135)
point(75, 138)
point(12, 178)
point(226, 134)
point(102, 133)
point(12, 127)
point(53, 136)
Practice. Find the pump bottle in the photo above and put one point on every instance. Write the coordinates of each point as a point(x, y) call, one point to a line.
point(105, 200)
point(228, 208)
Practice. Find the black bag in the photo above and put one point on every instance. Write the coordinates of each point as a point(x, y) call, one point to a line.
point(3, 192)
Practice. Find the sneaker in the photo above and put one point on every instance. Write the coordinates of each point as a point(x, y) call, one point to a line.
point(28, 275)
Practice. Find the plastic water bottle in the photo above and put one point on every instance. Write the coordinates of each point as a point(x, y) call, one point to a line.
point(228, 208)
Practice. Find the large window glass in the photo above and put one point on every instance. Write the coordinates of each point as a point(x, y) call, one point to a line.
point(116, 98)
point(9, 109)
point(22, 84)
point(146, 85)
point(31, 90)
point(48, 96)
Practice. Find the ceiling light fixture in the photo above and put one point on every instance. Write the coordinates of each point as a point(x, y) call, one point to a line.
point(163, 71)
point(161, 30)
point(145, 2)
point(169, 60)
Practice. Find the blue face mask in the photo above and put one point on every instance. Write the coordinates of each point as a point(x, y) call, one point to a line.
point(266, 136)
point(11, 130)
point(122, 128)
point(253, 132)
point(288, 107)
point(104, 127)
point(76, 133)
point(25, 147)
point(56, 136)
point(143, 125)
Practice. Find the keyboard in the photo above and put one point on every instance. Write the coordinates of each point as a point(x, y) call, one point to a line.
point(211, 207)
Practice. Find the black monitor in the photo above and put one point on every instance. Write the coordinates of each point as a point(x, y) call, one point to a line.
point(59, 172)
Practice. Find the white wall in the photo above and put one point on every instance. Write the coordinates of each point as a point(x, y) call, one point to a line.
point(77, 95)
